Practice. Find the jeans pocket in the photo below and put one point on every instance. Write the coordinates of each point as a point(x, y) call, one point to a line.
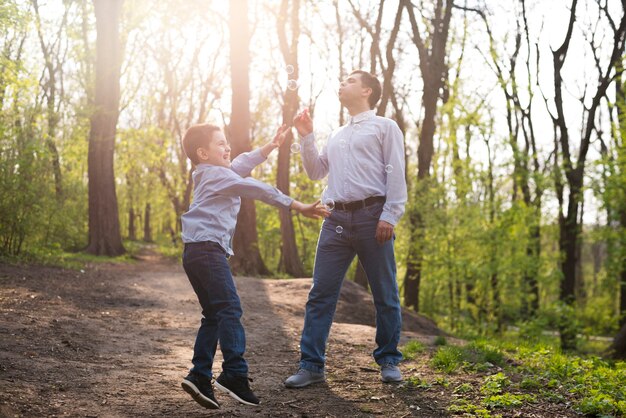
point(199, 252)
point(195, 257)
point(374, 211)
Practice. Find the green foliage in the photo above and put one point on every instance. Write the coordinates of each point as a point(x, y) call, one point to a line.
point(463, 406)
point(480, 351)
point(411, 349)
point(440, 340)
point(530, 372)
point(463, 388)
point(495, 384)
point(530, 383)
point(507, 400)
point(447, 358)
point(477, 355)
point(415, 382)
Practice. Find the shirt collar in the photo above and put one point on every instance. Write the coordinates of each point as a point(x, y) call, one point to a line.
point(361, 116)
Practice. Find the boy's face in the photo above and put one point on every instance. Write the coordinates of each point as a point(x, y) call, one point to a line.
point(218, 151)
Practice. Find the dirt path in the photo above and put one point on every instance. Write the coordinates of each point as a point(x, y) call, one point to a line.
point(116, 340)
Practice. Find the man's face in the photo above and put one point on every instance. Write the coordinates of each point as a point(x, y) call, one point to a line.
point(218, 151)
point(351, 90)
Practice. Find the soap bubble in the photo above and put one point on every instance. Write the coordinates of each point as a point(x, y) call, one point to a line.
point(295, 148)
point(388, 168)
point(289, 69)
point(339, 229)
point(293, 84)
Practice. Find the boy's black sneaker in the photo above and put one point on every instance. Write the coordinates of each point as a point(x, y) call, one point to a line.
point(237, 387)
point(200, 389)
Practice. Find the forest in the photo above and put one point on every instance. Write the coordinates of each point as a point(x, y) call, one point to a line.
point(513, 116)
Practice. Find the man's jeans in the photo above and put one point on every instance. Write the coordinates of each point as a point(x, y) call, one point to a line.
point(343, 235)
point(209, 273)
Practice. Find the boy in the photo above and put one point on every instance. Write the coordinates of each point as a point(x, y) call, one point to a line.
point(207, 231)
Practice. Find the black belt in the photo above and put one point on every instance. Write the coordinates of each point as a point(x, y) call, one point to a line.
point(359, 204)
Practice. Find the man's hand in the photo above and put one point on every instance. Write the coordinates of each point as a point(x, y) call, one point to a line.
point(278, 140)
point(312, 210)
point(384, 232)
point(303, 122)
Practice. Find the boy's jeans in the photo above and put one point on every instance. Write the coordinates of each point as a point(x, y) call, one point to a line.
point(343, 235)
point(209, 273)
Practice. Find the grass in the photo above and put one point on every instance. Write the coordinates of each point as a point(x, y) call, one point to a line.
point(55, 257)
point(507, 374)
point(411, 349)
point(477, 355)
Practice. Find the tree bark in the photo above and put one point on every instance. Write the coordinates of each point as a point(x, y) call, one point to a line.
point(618, 348)
point(132, 232)
point(290, 261)
point(147, 229)
point(104, 226)
point(620, 96)
point(51, 87)
point(573, 169)
point(434, 73)
point(247, 259)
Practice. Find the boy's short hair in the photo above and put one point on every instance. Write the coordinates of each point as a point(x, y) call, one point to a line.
point(370, 80)
point(197, 136)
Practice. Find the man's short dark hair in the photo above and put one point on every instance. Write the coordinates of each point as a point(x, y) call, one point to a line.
point(370, 80)
point(198, 136)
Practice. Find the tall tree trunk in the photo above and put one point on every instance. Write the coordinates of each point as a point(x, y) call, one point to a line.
point(290, 261)
point(104, 226)
point(573, 170)
point(620, 96)
point(618, 347)
point(247, 259)
point(147, 229)
point(432, 53)
point(132, 233)
point(51, 88)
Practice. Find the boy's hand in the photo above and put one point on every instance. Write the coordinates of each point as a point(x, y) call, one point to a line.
point(303, 122)
point(278, 140)
point(312, 210)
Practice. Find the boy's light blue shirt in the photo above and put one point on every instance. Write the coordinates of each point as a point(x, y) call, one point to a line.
point(212, 216)
point(363, 158)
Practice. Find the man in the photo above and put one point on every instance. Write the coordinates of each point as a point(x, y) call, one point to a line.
point(364, 160)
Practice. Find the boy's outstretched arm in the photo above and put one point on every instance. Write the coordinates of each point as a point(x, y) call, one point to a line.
point(311, 210)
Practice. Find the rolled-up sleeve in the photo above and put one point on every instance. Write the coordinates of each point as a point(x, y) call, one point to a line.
point(245, 162)
point(396, 192)
point(234, 185)
point(315, 163)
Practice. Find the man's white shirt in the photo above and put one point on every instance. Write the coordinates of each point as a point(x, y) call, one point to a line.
point(363, 158)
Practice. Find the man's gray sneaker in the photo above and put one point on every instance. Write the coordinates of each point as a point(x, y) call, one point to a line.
point(390, 373)
point(303, 378)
